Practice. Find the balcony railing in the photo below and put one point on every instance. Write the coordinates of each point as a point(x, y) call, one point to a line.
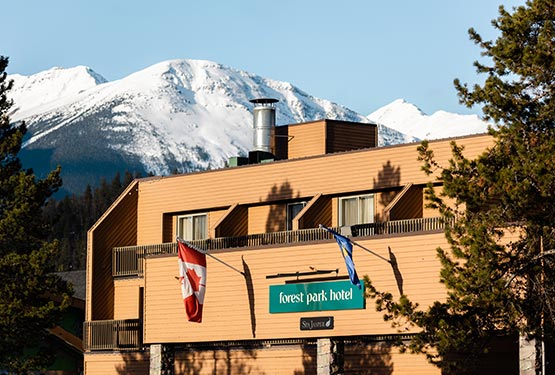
point(426, 224)
point(128, 261)
point(112, 334)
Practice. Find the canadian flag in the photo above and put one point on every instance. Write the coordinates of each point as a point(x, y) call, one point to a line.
point(192, 275)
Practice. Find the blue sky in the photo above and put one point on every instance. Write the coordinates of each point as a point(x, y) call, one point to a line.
point(362, 54)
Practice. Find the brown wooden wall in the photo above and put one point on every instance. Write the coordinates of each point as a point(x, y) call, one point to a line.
point(117, 227)
point(283, 359)
point(377, 358)
point(382, 358)
point(301, 140)
point(323, 137)
point(318, 213)
point(335, 174)
point(409, 206)
point(266, 219)
point(126, 298)
point(275, 360)
point(235, 222)
point(236, 308)
point(116, 363)
point(346, 136)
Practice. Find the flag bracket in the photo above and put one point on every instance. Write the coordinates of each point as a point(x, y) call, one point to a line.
point(205, 252)
point(306, 273)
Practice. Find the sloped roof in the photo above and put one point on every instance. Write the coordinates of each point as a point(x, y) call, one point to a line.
point(77, 279)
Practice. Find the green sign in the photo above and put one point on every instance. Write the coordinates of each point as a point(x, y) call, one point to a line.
point(332, 295)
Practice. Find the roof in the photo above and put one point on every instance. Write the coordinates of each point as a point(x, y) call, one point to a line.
point(77, 279)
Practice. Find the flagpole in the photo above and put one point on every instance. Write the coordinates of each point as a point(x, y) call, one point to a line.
point(356, 244)
point(210, 255)
point(370, 251)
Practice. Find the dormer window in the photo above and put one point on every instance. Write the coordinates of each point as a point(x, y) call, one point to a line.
point(293, 210)
point(356, 210)
point(192, 227)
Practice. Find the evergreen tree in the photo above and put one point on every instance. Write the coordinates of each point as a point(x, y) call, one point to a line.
point(495, 287)
point(71, 217)
point(32, 298)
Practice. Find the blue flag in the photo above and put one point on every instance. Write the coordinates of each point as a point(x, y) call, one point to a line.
point(346, 248)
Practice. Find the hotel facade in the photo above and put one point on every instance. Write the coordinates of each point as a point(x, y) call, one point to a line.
point(278, 298)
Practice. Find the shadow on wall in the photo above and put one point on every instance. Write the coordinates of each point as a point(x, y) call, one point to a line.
point(309, 360)
point(360, 358)
point(250, 294)
point(368, 358)
point(134, 363)
point(388, 176)
point(277, 216)
point(216, 361)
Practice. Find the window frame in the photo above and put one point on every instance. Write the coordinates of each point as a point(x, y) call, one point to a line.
point(288, 219)
point(179, 224)
point(359, 220)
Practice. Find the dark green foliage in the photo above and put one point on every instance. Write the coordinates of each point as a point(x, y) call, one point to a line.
point(71, 217)
point(32, 298)
point(495, 287)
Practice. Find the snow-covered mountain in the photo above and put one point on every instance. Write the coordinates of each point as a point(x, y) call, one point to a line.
point(179, 115)
point(409, 119)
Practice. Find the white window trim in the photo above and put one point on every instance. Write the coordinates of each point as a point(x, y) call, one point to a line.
point(180, 217)
point(340, 204)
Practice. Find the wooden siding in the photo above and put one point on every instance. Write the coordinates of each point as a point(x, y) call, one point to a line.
point(365, 170)
point(276, 360)
point(234, 222)
point(433, 212)
point(169, 227)
point(126, 296)
point(409, 205)
point(347, 136)
point(132, 363)
point(377, 358)
point(323, 137)
point(382, 200)
point(317, 211)
point(117, 227)
point(382, 358)
point(236, 308)
point(265, 219)
point(301, 140)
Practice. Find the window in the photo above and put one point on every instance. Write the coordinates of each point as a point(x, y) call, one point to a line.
point(192, 227)
point(293, 210)
point(356, 210)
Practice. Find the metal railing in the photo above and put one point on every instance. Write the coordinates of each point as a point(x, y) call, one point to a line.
point(112, 334)
point(128, 261)
point(426, 224)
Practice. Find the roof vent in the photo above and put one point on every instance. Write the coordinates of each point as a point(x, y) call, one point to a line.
point(264, 122)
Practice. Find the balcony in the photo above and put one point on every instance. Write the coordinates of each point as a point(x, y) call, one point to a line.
point(128, 261)
point(427, 224)
point(112, 334)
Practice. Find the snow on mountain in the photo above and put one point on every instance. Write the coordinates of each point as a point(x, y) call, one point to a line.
point(182, 115)
point(407, 118)
point(32, 94)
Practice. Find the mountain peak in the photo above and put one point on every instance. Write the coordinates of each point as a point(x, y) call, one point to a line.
point(409, 119)
point(32, 93)
point(177, 115)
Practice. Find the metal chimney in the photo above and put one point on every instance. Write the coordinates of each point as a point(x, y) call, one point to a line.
point(264, 122)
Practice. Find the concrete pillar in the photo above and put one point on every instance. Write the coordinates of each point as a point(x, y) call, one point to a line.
point(161, 359)
point(329, 357)
point(527, 353)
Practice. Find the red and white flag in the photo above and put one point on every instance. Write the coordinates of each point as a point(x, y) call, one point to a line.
point(192, 275)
